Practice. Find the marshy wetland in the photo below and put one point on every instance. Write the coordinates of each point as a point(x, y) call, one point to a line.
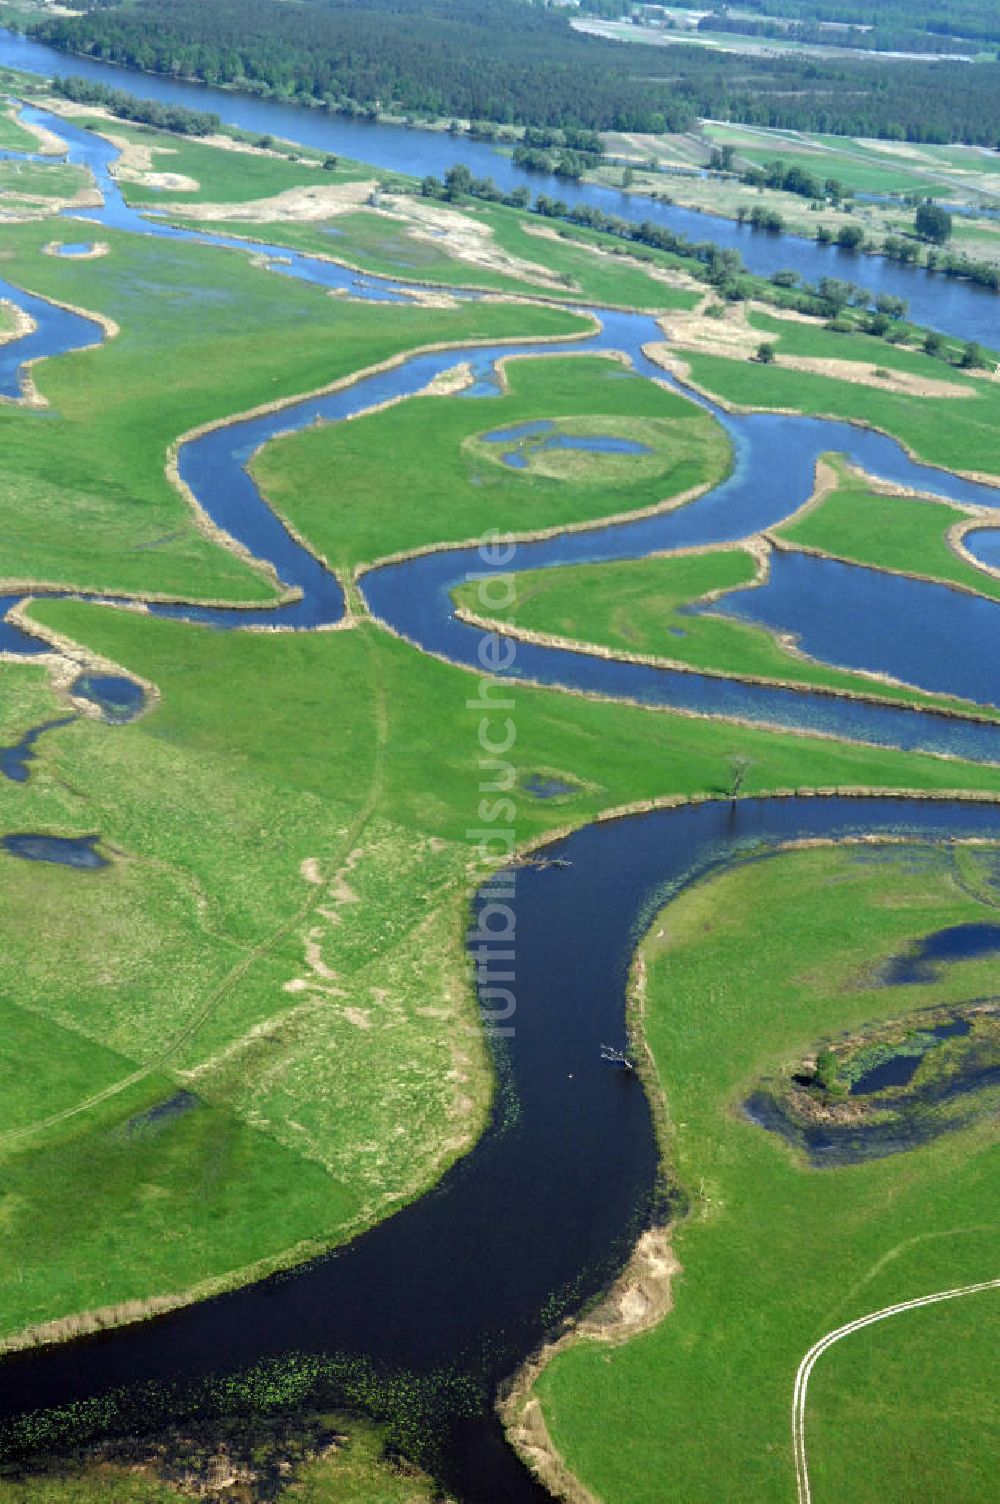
point(273, 922)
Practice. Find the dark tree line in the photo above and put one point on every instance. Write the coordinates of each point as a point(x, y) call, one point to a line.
point(165, 117)
point(516, 62)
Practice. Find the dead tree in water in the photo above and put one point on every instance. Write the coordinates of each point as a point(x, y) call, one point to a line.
point(616, 1057)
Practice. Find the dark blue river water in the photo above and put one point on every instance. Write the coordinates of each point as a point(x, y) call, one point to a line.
point(541, 1212)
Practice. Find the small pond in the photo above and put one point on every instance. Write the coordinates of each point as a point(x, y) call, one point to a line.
point(118, 698)
point(901, 1065)
point(962, 942)
point(64, 851)
point(14, 760)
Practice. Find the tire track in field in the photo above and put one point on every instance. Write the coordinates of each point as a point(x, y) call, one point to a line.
point(805, 1368)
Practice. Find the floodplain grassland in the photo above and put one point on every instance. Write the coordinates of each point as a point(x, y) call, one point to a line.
point(965, 176)
point(223, 174)
point(955, 433)
point(861, 164)
point(203, 335)
point(962, 175)
point(886, 531)
point(873, 1407)
point(637, 606)
point(29, 180)
point(200, 960)
point(450, 484)
point(13, 137)
point(470, 247)
point(744, 974)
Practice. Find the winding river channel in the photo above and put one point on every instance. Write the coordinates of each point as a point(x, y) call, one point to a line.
point(459, 1287)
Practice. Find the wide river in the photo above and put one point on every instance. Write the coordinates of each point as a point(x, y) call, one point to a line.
point(958, 308)
point(458, 1288)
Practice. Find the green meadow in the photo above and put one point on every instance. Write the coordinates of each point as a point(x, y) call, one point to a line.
point(885, 531)
point(745, 973)
point(953, 433)
point(639, 606)
point(60, 180)
point(204, 334)
point(564, 265)
point(422, 473)
point(13, 137)
point(223, 175)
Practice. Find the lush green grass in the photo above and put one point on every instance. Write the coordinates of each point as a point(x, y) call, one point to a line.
point(204, 335)
point(637, 607)
point(273, 741)
point(794, 337)
point(416, 473)
point(384, 246)
point(888, 532)
point(863, 166)
point(872, 1409)
point(13, 137)
point(745, 973)
point(223, 176)
point(957, 434)
point(59, 180)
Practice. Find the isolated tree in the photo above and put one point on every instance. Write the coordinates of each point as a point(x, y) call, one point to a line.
point(973, 357)
point(933, 343)
point(765, 354)
point(739, 767)
point(933, 223)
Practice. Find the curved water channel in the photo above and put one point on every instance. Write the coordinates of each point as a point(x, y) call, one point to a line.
point(413, 597)
point(461, 1285)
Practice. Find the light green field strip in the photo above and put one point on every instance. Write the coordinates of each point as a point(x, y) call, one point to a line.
point(636, 608)
point(222, 175)
point(13, 137)
point(884, 531)
point(957, 434)
point(28, 180)
point(554, 266)
point(744, 974)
